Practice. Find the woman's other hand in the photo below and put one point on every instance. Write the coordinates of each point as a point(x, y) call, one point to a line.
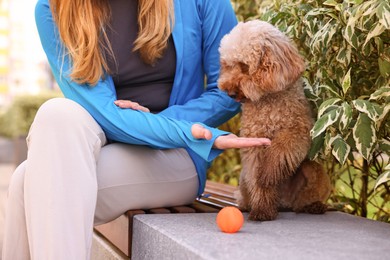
point(131, 105)
point(228, 141)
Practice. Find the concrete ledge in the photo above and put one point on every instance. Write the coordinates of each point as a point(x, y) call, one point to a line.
point(334, 235)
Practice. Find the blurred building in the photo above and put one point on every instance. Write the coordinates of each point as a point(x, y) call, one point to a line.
point(23, 66)
point(4, 51)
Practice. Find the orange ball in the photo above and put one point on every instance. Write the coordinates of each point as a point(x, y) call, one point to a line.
point(230, 219)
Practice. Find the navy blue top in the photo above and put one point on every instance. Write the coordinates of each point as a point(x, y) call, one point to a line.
point(134, 80)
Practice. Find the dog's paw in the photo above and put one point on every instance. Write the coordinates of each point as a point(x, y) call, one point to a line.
point(243, 207)
point(263, 215)
point(315, 208)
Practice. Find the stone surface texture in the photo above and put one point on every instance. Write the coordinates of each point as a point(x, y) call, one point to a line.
point(334, 235)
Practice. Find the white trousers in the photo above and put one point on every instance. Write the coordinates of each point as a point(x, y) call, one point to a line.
point(72, 181)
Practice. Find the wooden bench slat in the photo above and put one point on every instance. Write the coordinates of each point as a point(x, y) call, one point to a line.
point(202, 208)
point(221, 191)
point(182, 209)
point(158, 211)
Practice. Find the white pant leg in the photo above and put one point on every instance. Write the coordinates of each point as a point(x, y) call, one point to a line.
point(138, 177)
point(60, 186)
point(15, 243)
point(54, 192)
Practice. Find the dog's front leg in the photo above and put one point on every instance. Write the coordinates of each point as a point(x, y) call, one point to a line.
point(260, 201)
point(280, 160)
point(263, 203)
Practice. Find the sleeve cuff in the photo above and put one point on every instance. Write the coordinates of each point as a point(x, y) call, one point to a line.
point(204, 148)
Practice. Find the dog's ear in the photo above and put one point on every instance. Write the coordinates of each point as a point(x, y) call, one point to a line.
point(280, 64)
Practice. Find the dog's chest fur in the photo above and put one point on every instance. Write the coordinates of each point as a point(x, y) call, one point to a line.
point(283, 110)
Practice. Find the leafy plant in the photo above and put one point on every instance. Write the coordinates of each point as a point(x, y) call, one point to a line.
point(245, 9)
point(346, 45)
point(17, 119)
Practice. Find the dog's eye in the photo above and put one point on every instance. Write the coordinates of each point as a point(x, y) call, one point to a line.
point(244, 68)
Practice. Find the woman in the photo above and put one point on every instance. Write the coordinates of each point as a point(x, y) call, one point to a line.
point(136, 129)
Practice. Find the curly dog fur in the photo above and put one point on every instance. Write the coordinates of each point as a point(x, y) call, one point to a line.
point(261, 68)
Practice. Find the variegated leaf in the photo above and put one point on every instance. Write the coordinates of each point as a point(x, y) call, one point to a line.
point(310, 92)
point(340, 149)
point(382, 115)
point(323, 37)
point(346, 84)
point(379, 44)
point(368, 49)
point(326, 105)
point(327, 146)
point(344, 55)
point(384, 67)
point(349, 32)
point(330, 3)
point(326, 89)
point(348, 138)
point(364, 135)
point(368, 8)
point(380, 93)
point(383, 13)
point(310, 27)
point(337, 8)
point(383, 178)
point(331, 28)
point(324, 122)
point(367, 17)
point(356, 2)
point(377, 30)
point(317, 11)
point(344, 16)
point(316, 146)
point(384, 145)
point(346, 116)
point(366, 107)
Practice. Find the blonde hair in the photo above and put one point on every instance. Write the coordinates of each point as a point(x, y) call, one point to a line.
point(82, 27)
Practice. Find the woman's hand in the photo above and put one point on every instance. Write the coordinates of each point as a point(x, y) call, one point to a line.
point(228, 141)
point(131, 105)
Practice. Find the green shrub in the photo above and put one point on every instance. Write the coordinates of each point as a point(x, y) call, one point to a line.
point(346, 46)
point(245, 9)
point(17, 119)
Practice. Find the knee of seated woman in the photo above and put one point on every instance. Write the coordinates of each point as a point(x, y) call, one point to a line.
point(61, 113)
point(61, 118)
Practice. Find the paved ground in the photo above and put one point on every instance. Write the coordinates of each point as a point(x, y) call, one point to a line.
point(5, 174)
point(6, 151)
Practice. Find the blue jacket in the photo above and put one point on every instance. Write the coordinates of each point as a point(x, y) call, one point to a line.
point(198, 29)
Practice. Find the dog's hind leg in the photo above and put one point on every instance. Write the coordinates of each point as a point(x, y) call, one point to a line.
point(313, 189)
point(316, 207)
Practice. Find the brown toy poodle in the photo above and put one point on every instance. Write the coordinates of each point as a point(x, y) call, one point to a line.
point(261, 68)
